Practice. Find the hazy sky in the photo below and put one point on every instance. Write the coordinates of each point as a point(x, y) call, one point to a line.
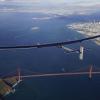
point(54, 1)
point(58, 5)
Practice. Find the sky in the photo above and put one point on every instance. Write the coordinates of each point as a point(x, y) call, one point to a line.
point(59, 6)
point(54, 1)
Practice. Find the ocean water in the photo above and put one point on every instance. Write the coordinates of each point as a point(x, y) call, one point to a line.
point(16, 29)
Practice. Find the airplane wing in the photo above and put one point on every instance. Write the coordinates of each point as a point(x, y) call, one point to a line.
point(49, 44)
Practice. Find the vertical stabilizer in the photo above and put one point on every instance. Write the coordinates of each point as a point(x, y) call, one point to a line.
point(81, 55)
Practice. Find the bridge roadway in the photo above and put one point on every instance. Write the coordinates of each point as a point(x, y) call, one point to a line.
point(90, 73)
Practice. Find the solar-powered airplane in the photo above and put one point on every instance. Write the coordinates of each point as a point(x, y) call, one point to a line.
point(57, 44)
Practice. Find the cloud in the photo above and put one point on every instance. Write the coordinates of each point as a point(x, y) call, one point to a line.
point(35, 28)
point(56, 2)
point(21, 1)
point(2, 0)
point(41, 18)
point(60, 7)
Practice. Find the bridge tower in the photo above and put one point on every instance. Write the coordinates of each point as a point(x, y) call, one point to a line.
point(90, 71)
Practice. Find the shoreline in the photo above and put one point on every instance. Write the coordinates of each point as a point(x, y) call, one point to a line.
point(88, 29)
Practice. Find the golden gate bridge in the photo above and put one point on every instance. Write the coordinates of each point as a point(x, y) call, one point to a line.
point(81, 72)
point(90, 72)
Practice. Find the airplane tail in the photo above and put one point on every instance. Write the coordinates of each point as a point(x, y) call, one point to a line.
point(80, 51)
point(81, 54)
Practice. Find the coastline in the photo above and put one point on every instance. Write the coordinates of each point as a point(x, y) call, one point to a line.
point(88, 29)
